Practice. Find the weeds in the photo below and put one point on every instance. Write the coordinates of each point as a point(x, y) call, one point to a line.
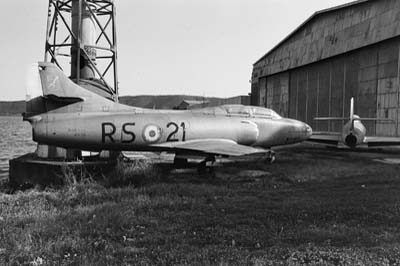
point(137, 173)
point(350, 218)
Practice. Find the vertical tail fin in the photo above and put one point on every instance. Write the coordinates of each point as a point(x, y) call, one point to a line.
point(56, 84)
point(33, 84)
point(34, 100)
point(352, 114)
point(351, 108)
point(48, 88)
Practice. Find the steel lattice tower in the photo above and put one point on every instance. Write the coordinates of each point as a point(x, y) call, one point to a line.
point(82, 33)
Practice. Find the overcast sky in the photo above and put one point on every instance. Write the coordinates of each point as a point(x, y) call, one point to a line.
point(196, 47)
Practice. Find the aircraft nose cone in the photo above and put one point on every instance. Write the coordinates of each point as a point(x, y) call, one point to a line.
point(298, 131)
point(308, 130)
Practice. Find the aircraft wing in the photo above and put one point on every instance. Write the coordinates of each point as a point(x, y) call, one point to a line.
point(211, 146)
point(382, 141)
point(332, 138)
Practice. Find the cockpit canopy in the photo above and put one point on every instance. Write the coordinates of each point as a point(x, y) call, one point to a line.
point(241, 110)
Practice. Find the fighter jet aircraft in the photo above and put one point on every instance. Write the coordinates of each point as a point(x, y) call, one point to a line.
point(67, 115)
point(353, 133)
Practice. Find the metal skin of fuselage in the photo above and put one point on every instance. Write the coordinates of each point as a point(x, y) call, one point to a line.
point(94, 123)
point(141, 128)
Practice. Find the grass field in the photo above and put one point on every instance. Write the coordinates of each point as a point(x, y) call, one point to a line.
point(312, 207)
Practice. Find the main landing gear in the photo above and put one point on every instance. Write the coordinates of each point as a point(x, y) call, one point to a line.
point(180, 162)
point(270, 157)
point(202, 168)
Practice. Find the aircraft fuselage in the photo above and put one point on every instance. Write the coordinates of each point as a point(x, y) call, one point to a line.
point(140, 129)
point(353, 135)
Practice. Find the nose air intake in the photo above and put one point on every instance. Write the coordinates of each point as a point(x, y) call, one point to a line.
point(351, 140)
point(308, 131)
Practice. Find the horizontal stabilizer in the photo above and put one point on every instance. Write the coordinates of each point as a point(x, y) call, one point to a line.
point(382, 141)
point(377, 119)
point(354, 118)
point(330, 138)
point(65, 100)
point(331, 118)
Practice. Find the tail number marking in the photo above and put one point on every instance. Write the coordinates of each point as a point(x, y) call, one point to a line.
point(108, 130)
point(125, 132)
point(151, 133)
point(171, 137)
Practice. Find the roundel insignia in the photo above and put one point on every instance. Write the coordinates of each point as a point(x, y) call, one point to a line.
point(152, 133)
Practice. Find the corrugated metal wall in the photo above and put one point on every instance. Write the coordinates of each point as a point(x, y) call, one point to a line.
point(333, 33)
point(388, 88)
point(277, 93)
point(322, 89)
point(262, 91)
point(350, 51)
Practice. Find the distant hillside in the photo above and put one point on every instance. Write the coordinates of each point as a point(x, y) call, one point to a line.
point(163, 101)
point(145, 101)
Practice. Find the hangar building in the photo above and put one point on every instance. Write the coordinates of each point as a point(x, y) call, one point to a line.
point(347, 51)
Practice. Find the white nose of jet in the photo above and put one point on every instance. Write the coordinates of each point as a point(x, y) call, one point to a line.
point(308, 130)
point(297, 131)
point(305, 131)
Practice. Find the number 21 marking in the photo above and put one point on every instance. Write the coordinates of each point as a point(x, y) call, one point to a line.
point(171, 135)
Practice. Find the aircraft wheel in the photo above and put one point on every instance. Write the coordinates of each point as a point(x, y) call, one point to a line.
point(271, 157)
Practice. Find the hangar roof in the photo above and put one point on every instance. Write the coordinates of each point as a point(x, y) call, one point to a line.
point(317, 13)
point(331, 32)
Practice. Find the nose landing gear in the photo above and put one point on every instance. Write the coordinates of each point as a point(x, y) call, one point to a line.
point(351, 140)
point(270, 157)
point(202, 166)
point(180, 162)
